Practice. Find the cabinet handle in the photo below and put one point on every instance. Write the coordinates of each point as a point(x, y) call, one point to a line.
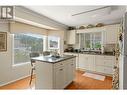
point(72, 64)
point(61, 69)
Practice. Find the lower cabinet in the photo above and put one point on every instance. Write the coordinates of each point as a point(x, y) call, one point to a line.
point(86, 61)
point(64, 74)
point(97, 63)
point(59, 77)
point(104, 70)
point(104, 64)
point(55, 76)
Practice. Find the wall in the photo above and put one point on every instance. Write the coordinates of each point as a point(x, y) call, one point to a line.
point(60, 34)
point(22, 12)
point(8, 72)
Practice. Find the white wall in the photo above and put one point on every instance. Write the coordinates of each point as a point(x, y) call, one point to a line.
point(60, 34)
point(8, 72)
point(22, 12)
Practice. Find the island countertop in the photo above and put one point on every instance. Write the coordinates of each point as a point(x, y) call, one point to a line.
point(50, 59)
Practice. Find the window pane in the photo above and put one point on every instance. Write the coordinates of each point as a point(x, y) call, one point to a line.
point(87, 40)
point(91, 41)
point(25, 44)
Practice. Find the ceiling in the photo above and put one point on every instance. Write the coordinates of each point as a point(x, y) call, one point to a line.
point(63, 14)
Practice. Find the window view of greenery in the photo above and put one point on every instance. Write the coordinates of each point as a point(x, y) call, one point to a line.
point(87, 40)
point(24, 44)
point(93, 40)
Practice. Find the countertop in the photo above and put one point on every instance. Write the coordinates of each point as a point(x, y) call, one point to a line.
point(50, 59)
point(92, 53)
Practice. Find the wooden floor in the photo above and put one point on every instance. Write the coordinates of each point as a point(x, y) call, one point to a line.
point(80, 82)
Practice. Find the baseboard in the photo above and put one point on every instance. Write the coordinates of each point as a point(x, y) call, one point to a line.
point(13, 81)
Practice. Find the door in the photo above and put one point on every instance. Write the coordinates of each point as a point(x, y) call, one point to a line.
point(83, 61)
point(59, 78)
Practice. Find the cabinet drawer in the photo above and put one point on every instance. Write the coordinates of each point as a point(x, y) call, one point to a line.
point(109, 57)
point(59, 64)
point(108, 70)
point(100, 69)
point(103, 69)
point(109, 63)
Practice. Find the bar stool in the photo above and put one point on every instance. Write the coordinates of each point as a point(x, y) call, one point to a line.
point(32, 65)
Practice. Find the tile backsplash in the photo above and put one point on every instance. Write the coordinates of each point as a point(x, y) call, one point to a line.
point(109, 47)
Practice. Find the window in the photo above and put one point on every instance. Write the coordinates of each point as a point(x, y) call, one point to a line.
point(25, 44)
point(91, 40)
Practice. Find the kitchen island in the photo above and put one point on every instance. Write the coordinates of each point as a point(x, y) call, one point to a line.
point(53, 72)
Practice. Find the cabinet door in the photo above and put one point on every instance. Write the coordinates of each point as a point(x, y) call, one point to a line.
point(71, 70)
point(44, 75)
point(83, 61)
point(111, 34)
point(108, 70)
point(100, 69)
point(99, 60)
point(109, 61)
point(59, 77)
point(91, 63)
point(71, 37)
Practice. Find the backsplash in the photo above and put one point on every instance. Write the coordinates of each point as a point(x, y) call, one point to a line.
point(109, 47)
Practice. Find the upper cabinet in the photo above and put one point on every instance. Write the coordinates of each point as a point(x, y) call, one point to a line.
point(72, 37)
point(111, 34)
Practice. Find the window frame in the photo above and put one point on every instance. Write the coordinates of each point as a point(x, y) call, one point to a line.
point(92, 40)
point(13, 50)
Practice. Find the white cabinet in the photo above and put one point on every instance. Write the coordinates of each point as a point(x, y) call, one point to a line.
point(71, 71)
point(72, 37)
point(97, 63)
point(86, 62)
point(111, 34)
point(64, 73)
point(44, 76)
point(77, 57)
point(104, 64)
point(83, 60)
point(59, 80)
point(54, 76)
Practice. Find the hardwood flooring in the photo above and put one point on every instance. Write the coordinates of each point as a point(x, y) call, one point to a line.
point(80, 82)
